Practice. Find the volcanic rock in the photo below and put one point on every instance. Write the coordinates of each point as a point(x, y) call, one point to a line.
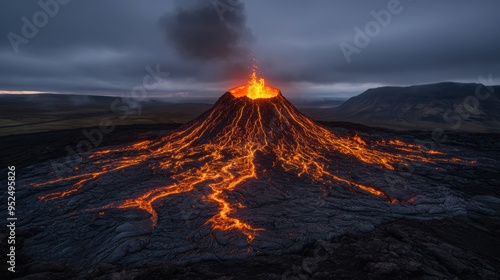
point(249, 177)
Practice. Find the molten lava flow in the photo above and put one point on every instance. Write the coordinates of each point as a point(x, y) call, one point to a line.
point(255, 89)
point(223, 149)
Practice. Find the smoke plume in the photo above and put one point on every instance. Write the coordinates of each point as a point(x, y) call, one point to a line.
point(209, 30)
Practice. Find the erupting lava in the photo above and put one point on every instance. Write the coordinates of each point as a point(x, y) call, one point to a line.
point(255, 89)
point(238, 140)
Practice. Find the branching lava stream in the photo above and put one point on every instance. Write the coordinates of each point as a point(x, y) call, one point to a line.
point(222, 149)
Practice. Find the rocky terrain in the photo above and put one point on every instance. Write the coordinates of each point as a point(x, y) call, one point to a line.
point(452, 248)
point(462, 247)
point(434, 215)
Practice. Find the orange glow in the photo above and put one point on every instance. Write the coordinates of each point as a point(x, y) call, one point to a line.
point(219, 151)
point(255, 89)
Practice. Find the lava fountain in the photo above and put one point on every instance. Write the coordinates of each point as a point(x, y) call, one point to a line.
point(255, 89)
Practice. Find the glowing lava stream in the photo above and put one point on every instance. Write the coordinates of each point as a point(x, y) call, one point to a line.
point(221, 150)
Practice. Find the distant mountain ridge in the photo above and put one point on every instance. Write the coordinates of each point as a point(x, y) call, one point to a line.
point(447, 105)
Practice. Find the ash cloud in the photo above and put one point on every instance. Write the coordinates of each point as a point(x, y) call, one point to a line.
point(209, 31)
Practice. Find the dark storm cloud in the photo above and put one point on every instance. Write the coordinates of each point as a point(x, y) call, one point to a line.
point(452, 40)
point(104, 46)
point(208, 30)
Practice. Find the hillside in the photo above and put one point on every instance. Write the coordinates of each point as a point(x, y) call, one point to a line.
point(424, 107)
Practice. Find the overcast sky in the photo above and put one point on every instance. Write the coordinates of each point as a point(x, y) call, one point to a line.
point(104, 47)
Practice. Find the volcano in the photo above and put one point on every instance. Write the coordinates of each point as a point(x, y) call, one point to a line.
point(251, 175)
